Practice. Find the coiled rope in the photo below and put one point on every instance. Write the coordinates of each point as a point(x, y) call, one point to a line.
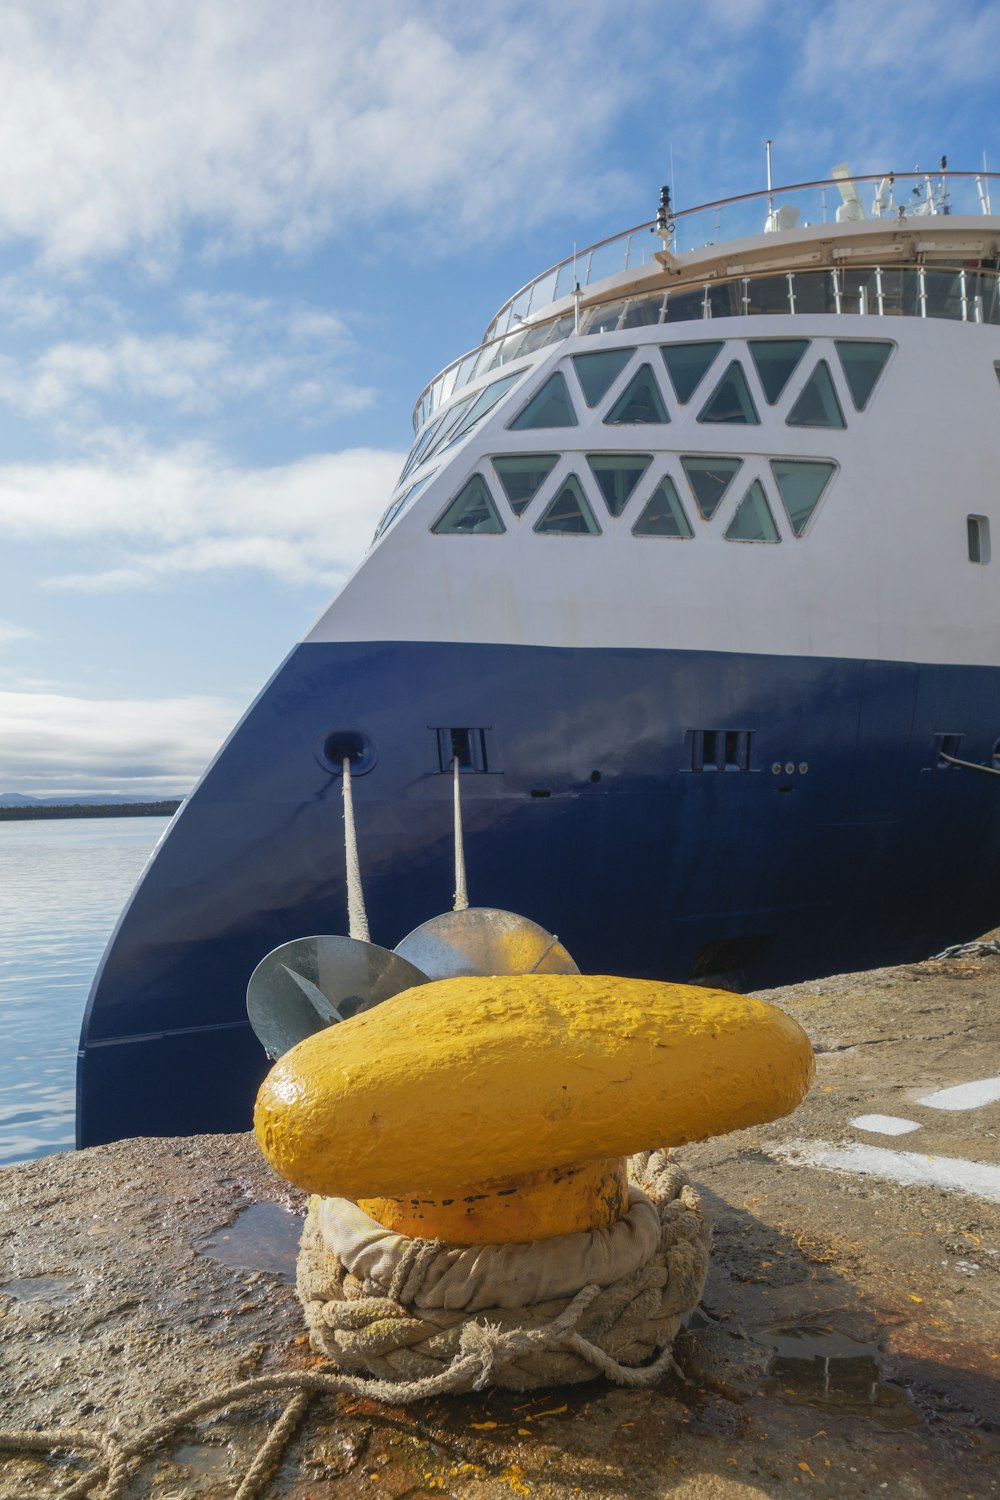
point(623, 1330)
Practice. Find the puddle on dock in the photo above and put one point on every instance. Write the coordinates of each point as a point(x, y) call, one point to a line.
point(264, 1237)
point(817, 1367)
point(58, 1290)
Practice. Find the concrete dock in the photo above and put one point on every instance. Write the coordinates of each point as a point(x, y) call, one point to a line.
point(847, 1343)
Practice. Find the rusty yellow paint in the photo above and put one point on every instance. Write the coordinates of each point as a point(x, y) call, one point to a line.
point(512, 1210)
point(468, 1079)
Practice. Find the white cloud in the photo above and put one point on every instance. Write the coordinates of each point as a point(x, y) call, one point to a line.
point(239, 348)
point(10, 632)
point(126, 122)
point(851, 44)
point(162, 514)
point(51, 742)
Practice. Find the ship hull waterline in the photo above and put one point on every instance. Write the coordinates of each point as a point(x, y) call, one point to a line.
point(845, 842)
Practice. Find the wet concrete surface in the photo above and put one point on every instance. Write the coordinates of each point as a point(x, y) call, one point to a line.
point(847, 1342)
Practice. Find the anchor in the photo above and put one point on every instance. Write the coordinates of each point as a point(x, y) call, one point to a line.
point(471, 941)
point(312, 982)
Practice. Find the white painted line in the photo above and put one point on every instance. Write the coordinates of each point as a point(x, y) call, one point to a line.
point(965, 1095)
point(909, 1168)
point(885, 1124)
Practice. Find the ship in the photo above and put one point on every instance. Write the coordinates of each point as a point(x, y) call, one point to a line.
point(689, 569)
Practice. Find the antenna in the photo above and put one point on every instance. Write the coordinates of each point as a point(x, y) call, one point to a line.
point(770, 194)
point(664, 224)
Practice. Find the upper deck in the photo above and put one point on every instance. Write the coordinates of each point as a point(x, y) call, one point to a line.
point(911, 244)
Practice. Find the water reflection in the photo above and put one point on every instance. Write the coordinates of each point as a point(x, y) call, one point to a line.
point(62, 886)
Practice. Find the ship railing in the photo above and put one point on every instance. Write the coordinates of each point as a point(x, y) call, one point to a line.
point(843, 198)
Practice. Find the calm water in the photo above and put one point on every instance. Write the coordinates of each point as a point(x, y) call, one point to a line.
point(62, 886)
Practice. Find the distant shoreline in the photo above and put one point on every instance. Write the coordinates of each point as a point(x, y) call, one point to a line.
point(89, 810)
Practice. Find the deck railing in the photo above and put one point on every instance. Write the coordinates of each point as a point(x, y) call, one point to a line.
point(900, 196)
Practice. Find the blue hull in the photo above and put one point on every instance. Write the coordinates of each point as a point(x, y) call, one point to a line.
point(588, 818)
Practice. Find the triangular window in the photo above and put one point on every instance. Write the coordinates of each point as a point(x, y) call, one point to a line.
point(639, 402)
point(776, 360)
point(617, 475)
point(800, 485)
point(686, 364)
point(663, 514)
point(522, 476)
point(817, 405)
point(731, 400)
point(597, 372)
point(569, 514)
point(549, 407)
point(709, 479)
point(862, 361)
point(471, 511)
point(753, 521)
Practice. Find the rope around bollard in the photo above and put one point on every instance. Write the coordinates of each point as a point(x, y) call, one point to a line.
point(641, 1311)
point(404, 1336)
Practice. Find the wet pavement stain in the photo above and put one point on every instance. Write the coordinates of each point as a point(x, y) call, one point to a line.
point(57, 1290)
point(264, 1237)
point(820, 1368)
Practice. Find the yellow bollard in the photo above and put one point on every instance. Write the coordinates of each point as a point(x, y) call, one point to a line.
point(430, 1098)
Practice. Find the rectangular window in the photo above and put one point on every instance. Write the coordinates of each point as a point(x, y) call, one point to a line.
point(978, 528)
point(720, 749)
point(467, 746)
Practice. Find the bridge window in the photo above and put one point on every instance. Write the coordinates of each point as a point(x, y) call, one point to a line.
point(522, 476)
point(617, 475)
point(549, 407)
point(664, 514)
point(598, 372)
point(405, 500)
point(862, 361)
point(472, 511)
point(709, 479)
point(731, 400)
point(753, 521)
point(569, 513)
point(641, 401)
point(686, 364)
point(484, 403)
point(447, 426)
point(801, 483)
point(776, 361)
point(817, 405)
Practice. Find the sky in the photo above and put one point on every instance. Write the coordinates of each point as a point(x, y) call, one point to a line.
point(236, 242)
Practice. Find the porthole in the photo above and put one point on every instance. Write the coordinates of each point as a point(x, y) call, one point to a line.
point(351, 745)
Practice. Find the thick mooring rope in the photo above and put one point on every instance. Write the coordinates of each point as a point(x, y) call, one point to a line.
point(357, 917)
point(624, 1330)
point(461, 902)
